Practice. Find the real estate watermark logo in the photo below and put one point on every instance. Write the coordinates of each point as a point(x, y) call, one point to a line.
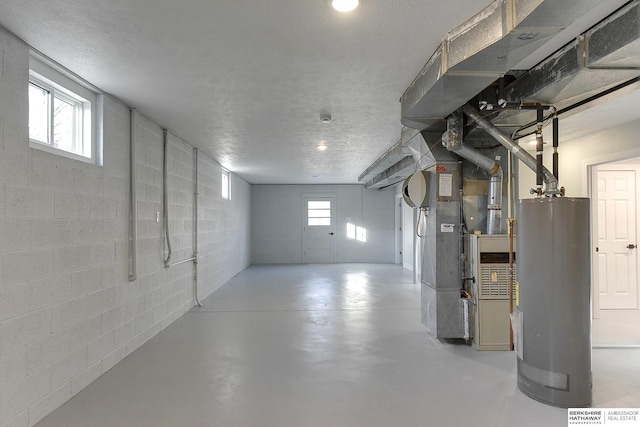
point(627, 417)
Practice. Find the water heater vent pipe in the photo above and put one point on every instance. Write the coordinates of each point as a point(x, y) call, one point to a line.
point(550, 181)
point(494, 202)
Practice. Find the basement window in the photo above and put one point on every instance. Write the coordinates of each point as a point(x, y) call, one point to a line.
point(226, 186)
point(319, 213)
point(62, 113)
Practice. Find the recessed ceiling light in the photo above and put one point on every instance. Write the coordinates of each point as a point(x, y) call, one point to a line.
point(344, 5)
point(322, 147)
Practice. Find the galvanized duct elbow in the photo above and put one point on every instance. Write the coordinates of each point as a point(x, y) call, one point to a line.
point(494, 202)
point(550, 181)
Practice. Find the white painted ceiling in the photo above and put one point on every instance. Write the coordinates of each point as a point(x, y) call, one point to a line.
point(246, 81)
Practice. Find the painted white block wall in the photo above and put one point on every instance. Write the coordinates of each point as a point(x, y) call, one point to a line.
point(224, 227)
point(277, 221)
point(67, 310)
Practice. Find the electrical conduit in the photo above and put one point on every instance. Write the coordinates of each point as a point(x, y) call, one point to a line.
point(165, 200)
point(195, 229)
point(133, 211)
point(165, 213)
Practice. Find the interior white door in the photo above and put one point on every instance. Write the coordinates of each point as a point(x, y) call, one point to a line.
point(319, 230)
point(616, 238)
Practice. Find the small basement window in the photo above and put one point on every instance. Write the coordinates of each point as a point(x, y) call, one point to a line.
point(226, 187)
point(62, 114)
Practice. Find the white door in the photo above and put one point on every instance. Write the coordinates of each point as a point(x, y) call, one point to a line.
point(319, 230)
point(398, 221)
point(616, 237)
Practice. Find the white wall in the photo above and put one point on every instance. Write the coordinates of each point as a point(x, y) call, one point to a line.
point(576, 155)
point(276, 223)
point(67, 310)
point(224, 227)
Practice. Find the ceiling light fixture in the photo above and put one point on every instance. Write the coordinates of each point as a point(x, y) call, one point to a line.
point(322, 147)
point(344, 5)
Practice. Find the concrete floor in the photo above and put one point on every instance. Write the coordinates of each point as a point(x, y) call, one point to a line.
point(616, 327)
point(323, 345)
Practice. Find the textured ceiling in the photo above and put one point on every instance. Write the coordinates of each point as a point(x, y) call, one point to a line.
point(246, 81)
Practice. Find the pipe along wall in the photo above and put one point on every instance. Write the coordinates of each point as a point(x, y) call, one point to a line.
point(133, 217)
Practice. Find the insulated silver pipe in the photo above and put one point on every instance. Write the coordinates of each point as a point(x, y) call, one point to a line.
point(476, 158)
point(195, 228)
point(522, 155)
point(165, 198)
point(182, 262)
point(494, 204)
point(133, 211)
point(514, 191)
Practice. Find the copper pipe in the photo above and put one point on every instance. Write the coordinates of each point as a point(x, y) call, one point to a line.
point(511, 221)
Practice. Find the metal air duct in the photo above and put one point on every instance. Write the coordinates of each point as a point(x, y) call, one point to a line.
point(605, 55)
point(470, 58)
point(410, 154)
point(482, 50)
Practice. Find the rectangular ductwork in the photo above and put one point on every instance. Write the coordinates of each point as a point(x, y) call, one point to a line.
point(604, 56)
point(415, 151)
point(394, 160)
point(480, 51)
point(490, 45)
point(463, 71)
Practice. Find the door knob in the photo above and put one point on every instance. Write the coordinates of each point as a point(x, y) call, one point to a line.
point(632, 246)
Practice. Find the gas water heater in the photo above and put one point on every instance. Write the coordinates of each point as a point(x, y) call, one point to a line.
point(554, 273)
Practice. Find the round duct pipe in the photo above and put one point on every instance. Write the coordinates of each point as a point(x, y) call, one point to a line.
point(415, 190)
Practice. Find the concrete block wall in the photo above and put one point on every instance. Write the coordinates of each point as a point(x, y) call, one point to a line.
point(223, 238)
point(68, 312)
